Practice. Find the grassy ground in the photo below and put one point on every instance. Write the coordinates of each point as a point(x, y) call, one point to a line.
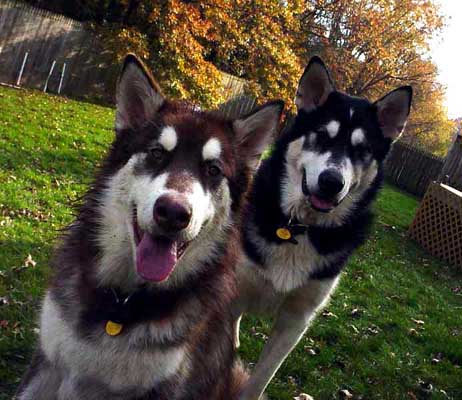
point(392, 331)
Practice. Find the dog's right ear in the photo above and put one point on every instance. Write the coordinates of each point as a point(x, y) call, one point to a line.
point(138, 95)
point(257, 130)
point(393, 111)
point(314, 87)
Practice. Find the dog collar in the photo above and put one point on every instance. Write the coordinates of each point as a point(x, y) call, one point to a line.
point(288, 231)
point(118, 316)
point(122, 310)
point(114, 311)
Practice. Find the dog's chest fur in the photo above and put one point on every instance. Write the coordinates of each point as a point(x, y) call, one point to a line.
point(275, 265)
point(113, 361)
point(287, 266)
point(153, 357)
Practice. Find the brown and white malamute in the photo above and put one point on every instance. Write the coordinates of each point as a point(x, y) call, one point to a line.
point(138, 305)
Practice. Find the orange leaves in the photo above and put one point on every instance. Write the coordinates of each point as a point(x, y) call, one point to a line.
point(374, 46)
point(370, 46)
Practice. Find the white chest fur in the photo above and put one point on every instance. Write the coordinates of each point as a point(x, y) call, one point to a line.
point(112, 360)
point(289, 266)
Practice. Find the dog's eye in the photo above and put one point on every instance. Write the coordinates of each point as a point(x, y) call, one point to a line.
point(213, 170)
point(157, 153)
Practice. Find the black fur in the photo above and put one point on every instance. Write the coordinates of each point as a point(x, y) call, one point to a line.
point(264, 208)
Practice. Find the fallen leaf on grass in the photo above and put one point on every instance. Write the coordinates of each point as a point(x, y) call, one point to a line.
point(29, 261)
point(437, 358)
point(345, 394)
point(355, 312)
point(257, 334)
point(418, 321)
point(373, 330)
point(425, 387)
point(327, 313)
point(303, 396)
point(292, 380)
point(311, 352)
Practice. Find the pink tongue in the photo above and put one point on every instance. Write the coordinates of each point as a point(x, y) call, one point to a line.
point(155, 258)
point(321, 204)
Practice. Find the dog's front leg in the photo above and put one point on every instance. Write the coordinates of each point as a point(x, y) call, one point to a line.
point(291, 323)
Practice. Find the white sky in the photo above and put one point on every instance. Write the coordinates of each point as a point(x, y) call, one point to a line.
point(447, 54)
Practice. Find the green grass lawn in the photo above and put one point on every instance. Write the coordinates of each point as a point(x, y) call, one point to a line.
point(393, 329)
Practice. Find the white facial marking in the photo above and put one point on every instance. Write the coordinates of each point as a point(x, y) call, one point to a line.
point(351, 112)
point(168, 138)
point(212, 149)
point(332, 128)
point(314, 164)
point(145, 192)
point(312, 139)
point(347, 172)
point(203, 208)
point(357, 136)
point(148, 190)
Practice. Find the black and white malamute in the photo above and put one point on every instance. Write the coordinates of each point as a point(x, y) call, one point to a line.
point(310, 208)
point(138, 306)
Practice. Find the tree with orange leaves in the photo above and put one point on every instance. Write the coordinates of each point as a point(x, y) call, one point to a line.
point(374, 46)
point(371, 46)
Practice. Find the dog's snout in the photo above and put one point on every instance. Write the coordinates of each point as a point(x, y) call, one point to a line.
point(172, 213)
point(330, 182)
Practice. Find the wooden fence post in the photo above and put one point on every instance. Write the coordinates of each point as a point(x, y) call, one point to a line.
point(21, 71)
point(63, 71)
point(49, 75)
point(451, 173)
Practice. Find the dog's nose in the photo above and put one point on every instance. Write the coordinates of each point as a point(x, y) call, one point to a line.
point(172, 212)
point(330, 182)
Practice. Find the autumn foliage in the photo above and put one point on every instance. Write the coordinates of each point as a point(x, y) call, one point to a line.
point(371, 46)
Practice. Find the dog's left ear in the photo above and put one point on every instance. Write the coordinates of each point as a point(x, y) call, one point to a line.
point(257, 130)
point(393, 110)
point(314, 87)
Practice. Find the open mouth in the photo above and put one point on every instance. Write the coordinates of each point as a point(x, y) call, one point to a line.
point(156, 256)
point(320, 204)
point(317, 203)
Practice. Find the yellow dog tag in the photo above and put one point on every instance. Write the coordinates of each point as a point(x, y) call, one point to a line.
point(113, 328)
point(283, 233)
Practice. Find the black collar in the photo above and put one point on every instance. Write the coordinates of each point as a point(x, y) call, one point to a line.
point(143, 304)
point(291, 228)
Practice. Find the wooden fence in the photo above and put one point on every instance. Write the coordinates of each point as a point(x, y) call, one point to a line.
point(39, 48)
point(411, 168)
point(60, 53)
